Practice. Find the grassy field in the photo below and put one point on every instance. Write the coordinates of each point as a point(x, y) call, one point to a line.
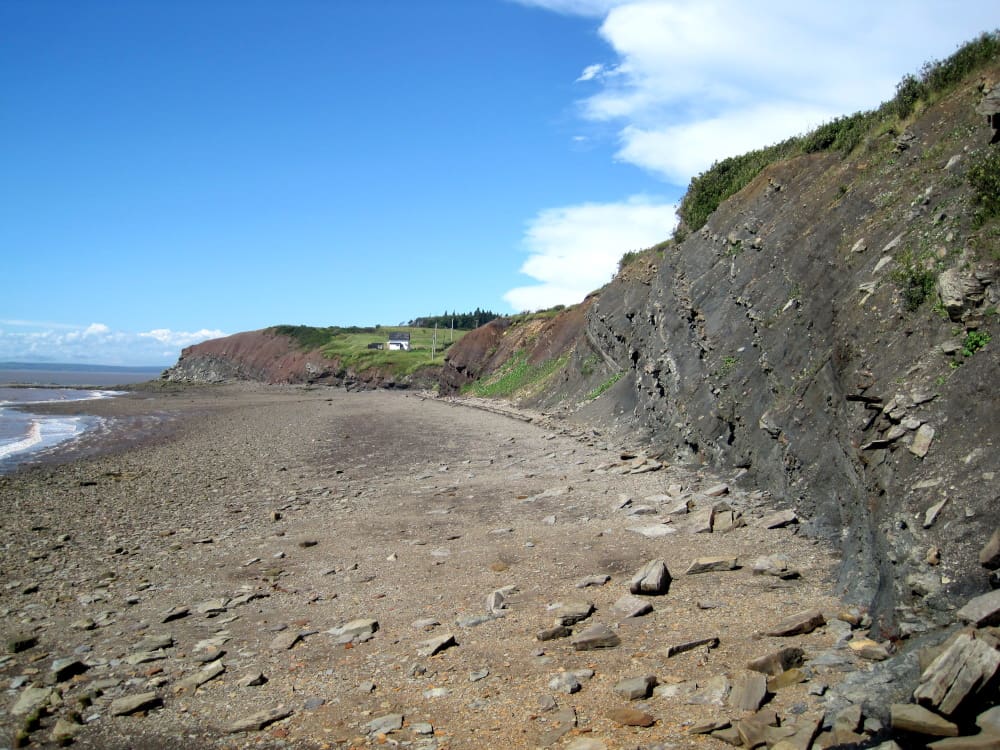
point(350, 346)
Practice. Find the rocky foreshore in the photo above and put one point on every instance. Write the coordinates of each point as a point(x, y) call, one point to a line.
point(309, 568)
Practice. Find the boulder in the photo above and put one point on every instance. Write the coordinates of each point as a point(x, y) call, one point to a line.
point(652, 579)
point(799, 624)
point(597, 636)
point(959, 672)
point(910, 717)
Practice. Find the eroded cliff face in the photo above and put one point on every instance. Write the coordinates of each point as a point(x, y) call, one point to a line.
point(269, 357)
point(780, 340)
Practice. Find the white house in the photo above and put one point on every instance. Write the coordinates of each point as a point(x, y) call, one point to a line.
point(399, 341)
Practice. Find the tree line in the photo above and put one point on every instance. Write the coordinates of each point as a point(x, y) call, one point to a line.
point(460, 321)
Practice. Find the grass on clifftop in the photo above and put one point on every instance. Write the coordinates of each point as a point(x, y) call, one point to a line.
point(350, 346)
point(727, 177)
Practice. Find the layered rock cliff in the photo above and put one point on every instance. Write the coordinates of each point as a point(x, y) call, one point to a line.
point(825, 337)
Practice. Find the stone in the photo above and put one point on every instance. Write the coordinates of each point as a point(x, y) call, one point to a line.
point(586, 743)
point(175, 613)
point(753, 729)
point(64, 731)
point(708, 726)
point(436, 645)
point(597, 636)
point(571, 613)
point(155, 642)
point(598, 580)
point(717, 490)
point(356, 631)
point(910, 717)
point(989, 555)
point(748, 692)
point(551, 634)
point(286, 640)
point(981, 741)
point(131, 704)
point(631, 606)
point(635, 688)
point(933, 512)
point(982, 610)
point(989, 720)
point(652, 579)
point(22, 642)
point(774, 565)
point(195, 681)
point(712, 564)
point(679, 648)
point(631, 717)
point(700, 522)
point(654, 531)
point(565, 682)
point(798, 624)
point(66, 668)
point(789, 677)
point(253, 678)
point(712, 693)
point(922, 439)
point(779, 520)
point(964, 666)
point(846, 725)
point(777, 662)
point(866, 648)
point(259, 720)
point(385, 724)
point(31, 699)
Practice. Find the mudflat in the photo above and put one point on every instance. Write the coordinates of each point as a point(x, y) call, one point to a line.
point(251, 566)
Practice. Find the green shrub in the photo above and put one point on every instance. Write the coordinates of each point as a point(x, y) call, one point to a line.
point(974, 341)
point(984, 177)
point(914, 279)
point(604, 386)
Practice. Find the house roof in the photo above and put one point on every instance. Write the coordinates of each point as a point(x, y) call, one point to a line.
point(399, 336)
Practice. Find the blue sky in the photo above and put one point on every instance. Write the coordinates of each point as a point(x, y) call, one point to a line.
point(178, 170)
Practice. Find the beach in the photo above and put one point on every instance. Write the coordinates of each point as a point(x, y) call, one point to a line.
point(267, 566)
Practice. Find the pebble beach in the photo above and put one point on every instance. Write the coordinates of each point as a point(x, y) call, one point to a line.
point(263, 566)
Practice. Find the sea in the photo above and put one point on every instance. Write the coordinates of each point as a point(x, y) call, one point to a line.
point(25, 433)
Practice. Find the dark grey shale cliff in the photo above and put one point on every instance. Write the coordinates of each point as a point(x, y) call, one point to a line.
point(777, 339)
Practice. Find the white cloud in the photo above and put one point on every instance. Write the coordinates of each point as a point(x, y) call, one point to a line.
point(575, 249)
point(574, 7)
point(590, 72)
point(181, 338)
point(96, 343)
point(698, 80)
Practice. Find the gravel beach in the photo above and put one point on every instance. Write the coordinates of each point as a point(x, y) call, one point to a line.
point(250, 566)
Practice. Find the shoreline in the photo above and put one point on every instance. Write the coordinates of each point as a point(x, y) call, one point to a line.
point(271, 515)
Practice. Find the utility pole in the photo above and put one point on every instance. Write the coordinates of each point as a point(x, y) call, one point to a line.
point(434, 341)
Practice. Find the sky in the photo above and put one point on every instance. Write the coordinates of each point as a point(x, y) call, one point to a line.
point(176, 170)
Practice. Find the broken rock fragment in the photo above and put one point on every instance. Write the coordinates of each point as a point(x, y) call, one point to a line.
point(652, 579)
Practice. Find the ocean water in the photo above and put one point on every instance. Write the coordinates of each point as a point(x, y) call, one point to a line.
point(24, 433)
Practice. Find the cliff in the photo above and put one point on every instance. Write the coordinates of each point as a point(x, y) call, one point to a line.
point(824, 336)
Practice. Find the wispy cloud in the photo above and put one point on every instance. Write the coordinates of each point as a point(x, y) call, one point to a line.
point(95, 343)
point(575, 249)
point(696, 81)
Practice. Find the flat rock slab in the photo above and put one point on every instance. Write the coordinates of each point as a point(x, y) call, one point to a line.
point(436, 645)
point(199, 678)
point(983, 610)
point(573, 612)
point(597, 636)
point(965, 665)
point(712, 565)
point(631, 606)
point(635, 688)
point(989, 555)
point(356, 631)
point(975, 742)
point(652, 579)
point(30, 699)
point(777, 662)
point(551, 634)
point(779, 520)
point(259, 720)
point(682, 646)
point(654, 531)
point(130, 704)
point(598, 580)
point(631, 717)
point(749, 691)
point(798, 624)
point(910, 717)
